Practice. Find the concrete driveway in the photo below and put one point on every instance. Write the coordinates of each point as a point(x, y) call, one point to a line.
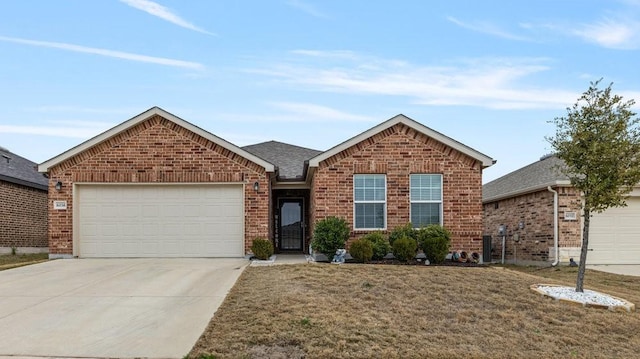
point(625, 269)
point(116, 308)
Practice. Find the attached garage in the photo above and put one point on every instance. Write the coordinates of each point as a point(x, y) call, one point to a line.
point(156, 186)
point(614, 235)
point(181, 220)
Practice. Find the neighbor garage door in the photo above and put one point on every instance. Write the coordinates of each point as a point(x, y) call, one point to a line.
point(159, 220)
point(614, 236)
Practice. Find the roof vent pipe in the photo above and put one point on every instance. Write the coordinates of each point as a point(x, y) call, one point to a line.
point(555, 226)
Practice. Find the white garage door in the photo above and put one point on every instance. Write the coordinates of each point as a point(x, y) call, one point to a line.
point(614, 236)
point(159, 220)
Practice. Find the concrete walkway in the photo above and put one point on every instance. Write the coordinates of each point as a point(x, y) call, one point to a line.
point(111, 308)
point(624, 269)
point(278, 259)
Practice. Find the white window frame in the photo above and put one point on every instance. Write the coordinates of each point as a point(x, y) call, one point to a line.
point(356, 202)
point(411, 201)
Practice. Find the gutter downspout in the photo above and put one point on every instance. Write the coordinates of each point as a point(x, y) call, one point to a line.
point(555, 225)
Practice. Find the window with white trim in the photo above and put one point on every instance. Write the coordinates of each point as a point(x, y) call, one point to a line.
point(426, 199)
point(370, 201)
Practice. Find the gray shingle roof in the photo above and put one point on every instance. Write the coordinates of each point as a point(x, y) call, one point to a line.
point(533, 177)
point(289, 159)
point(17, 169)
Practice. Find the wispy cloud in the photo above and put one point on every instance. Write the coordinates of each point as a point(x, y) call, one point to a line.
point(164, 13)
point(67, 129)
point(487, 28)
point(313, 112)
point(107, 53)
point(622, 34)
point(307, 8)
point(335, 54)
point(486, 82)
point(84, 110)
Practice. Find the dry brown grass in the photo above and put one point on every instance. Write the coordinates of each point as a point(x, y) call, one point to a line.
point(8, 261)
point(369, 311)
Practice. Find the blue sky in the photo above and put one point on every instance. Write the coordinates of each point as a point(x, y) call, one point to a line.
point(490, 74)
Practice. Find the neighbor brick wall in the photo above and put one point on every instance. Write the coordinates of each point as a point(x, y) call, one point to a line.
point(24, 216)
point(157, 151)
point(535, 211)
point(398, 152)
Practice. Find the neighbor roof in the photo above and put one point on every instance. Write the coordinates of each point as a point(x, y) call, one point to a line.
point(534, 177)
point(484, 159)
point(19, 170)
point(289, 159)
point(45, 166)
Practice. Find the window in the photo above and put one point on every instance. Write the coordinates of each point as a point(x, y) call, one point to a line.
point(426, 199)
point(370, 201)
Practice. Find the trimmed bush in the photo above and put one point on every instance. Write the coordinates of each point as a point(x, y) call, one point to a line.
point(329, 235)
point(380, 244)
point(434, 241)
point(361, 250)
point(403, 231)
point(262, 248)
point(404, 248)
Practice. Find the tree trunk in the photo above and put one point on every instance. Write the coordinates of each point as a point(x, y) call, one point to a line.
point(583, 251)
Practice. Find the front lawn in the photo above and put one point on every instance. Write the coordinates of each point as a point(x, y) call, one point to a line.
point(383, 311)
point(16, 260)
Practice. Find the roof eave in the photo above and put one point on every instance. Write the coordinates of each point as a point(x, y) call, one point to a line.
point(24, 183)
point(45, 166)
point(523, 191)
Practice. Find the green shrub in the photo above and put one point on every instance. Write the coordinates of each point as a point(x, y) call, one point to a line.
point(361, 250)
point(262, 248)
point(403, 231)
point(380, 244)
point(434, 241)
point(329, 235)
point(404, 248)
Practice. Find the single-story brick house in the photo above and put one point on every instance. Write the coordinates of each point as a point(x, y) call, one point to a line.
point(158, 186)
point(23, 205)
point(536, 204)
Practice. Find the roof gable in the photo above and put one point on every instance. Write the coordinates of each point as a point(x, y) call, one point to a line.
point(19, 170)
point(45, 166)
point(402, 119)
point(531, 178)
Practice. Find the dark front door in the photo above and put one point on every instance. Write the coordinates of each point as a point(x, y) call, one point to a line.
point(290, 225)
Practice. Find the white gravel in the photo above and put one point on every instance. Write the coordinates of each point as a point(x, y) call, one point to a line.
point(588, 296)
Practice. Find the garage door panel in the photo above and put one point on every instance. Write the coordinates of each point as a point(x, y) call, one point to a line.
point(160, 220)
point(614, 235)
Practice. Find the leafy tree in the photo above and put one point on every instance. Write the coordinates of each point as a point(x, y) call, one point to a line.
point(599, 142)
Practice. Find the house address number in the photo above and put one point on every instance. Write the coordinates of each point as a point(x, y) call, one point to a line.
point(59, 204)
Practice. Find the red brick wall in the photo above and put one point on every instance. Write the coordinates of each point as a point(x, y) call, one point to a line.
point(157, 151)
point(24, 216)
point(399, 152)
point(535, 211)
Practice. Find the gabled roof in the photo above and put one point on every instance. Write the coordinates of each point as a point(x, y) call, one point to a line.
point(19, 170)
point(532, 178)
point(45, 166)
point(484, 159)
point(289, 159)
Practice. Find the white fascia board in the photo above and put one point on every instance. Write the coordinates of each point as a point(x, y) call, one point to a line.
point(45, 166)
point(523, 191)
point(484, 159)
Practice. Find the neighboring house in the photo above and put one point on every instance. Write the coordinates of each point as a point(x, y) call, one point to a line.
point(23, 205)
point(523, 203)
point(158, 186)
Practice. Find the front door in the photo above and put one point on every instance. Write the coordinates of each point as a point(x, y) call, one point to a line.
point(290, 225)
